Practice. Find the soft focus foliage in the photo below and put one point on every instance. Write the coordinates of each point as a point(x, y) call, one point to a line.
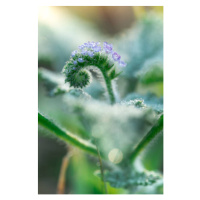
point(87, 113)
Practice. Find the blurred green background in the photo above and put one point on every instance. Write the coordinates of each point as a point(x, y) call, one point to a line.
point(137, 34)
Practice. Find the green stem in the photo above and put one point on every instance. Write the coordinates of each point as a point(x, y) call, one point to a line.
point(67, 137)
point(109, 87)
point(147, 138)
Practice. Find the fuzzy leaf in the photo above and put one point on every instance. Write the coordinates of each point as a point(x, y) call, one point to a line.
point(123, 179)
point(138, 103)
point(150, 100)
point(142, 44)
point(153, 74)
point(113, 74)
point(53, 82)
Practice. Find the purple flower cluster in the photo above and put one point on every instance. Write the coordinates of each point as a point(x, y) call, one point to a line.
point(90, 48)
point(94, 46)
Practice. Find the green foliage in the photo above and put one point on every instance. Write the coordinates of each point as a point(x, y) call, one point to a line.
point(63, 135)
point(132, 126)
point(154, 131)
point(53, 82)
point(142, 46)
point(127, 179)
point(113, 74)
point(139, 103)
point(152, 155)
point(149, 100)
point(153, 74)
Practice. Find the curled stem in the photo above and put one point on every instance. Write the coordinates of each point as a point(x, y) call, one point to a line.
point(67, 137)
point(157, 128)
point(79, 76)
point(91, 54)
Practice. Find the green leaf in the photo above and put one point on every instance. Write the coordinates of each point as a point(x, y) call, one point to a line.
point(113, 74)
point(55, 85)
point(53, 82)
point(153, 132)
point(66, 136)
point(152, 74)
point(138, 103)
point(150, 100)
point(152, 156)
point(125, 179)
point(142, 44)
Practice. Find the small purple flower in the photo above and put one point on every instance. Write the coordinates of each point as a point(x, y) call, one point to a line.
point(89, 45)
point(122, 63)
point(86, 44)
point(81, 47)
point(116, 56)
point(74, 53)
point(80, 60)
point(90, 53)
point(84, 52)
point(92, 44)
point(107, 47)
point(97, 43)
point(74, 68)
point(97, 48)
point(75, 62)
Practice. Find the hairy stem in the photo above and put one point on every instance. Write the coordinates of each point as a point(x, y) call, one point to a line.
point(147, 138)
point(67, 137)
point(78, 75)
point(101, 167)
point(109, 87)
